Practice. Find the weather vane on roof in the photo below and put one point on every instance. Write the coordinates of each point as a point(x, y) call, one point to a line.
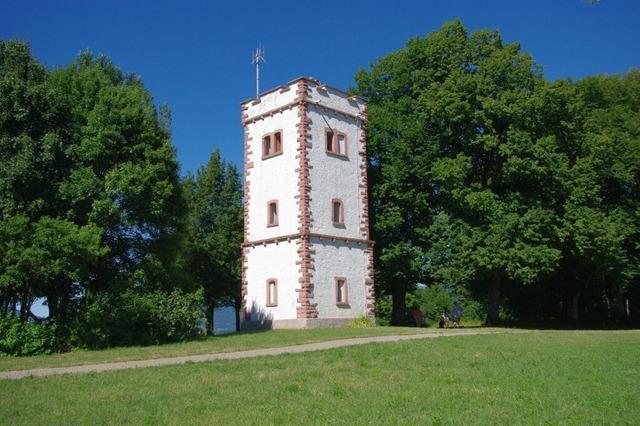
point(257, 58)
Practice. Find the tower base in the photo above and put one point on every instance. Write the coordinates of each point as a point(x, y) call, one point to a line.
point(296, 323)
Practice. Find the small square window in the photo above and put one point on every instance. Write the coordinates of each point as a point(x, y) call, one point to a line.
point(272, 292)
point(341, 291)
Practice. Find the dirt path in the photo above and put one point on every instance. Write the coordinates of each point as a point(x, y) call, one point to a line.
point(308, 347)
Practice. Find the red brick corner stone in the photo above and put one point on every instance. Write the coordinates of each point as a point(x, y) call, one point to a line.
point(306, 308)
point(364, 223)
point(245, 207)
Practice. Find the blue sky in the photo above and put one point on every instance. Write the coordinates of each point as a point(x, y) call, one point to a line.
point(195, 55)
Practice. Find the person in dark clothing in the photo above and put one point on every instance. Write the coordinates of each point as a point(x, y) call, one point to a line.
point(457, 314)
point(444, 320)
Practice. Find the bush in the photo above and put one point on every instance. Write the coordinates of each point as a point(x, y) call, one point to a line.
point(26, 338)
point(433, 300)
point(134, 318)
point(473, 310)
point(383, 310)
point(360, 322)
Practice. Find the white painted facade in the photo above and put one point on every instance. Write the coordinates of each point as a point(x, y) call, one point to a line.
point(334, 251)
point(274, 178)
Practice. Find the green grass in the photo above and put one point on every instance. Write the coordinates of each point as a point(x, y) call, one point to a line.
point(574, 377)
point(228, 343)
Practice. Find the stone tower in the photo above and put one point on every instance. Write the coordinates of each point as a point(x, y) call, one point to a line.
point(307, 260)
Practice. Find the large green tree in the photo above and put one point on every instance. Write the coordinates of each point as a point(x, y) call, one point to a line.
point(90, 199)
point(215, 233)
point(601, 215)
point(464, 161)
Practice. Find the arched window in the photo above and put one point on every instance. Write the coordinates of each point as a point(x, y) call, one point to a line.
point(272, 213)
point(342, 293)
point(337, 212)
point(272, 292)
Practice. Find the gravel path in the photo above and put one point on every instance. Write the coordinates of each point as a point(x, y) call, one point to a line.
point(308, 347)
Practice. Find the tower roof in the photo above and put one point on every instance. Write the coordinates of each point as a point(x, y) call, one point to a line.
point(308, 79)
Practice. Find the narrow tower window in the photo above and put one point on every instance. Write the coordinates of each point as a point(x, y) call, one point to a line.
point(341, 144)
point(337, 212)
point(272, 292)
point(266, 145)
point(272, 213)
point(341, 291)
point(277, 142)
point(329, 140)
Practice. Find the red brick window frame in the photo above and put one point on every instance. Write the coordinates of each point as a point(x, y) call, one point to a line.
point(272, 144)
point(335, 142)
point(342, 291)
point(272, 213)
point(272, 292)
point(337, 212)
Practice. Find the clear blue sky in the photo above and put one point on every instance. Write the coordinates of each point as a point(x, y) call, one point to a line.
point(195, 56)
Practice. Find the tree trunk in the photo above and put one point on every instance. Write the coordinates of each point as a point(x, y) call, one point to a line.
point(399, 306)
point(575, 305)
point(493, 306)
point(237, 305)
point(210, 307)
point(23, 309)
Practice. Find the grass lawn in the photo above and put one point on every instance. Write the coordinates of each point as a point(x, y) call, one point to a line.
point(572, 377)
point(227, 343)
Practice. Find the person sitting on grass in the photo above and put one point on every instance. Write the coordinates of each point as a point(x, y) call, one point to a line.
point(444, 320)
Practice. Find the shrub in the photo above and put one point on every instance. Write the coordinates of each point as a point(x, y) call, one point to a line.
point(135, 318)
point(360, 322)
point(433, 300)
point(473, 310)
point(26, 338)
point(383, 310)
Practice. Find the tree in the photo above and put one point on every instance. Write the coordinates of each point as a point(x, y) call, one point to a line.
point(31, 147)
point(215, 233)
point(600, 223)
point(50, 256)
point(90, 200)
point(122, 173)
point(464, 162)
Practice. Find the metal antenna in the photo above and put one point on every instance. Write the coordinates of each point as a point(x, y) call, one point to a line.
point(257, 58)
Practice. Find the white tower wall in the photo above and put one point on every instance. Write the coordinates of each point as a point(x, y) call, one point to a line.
point(306, 252)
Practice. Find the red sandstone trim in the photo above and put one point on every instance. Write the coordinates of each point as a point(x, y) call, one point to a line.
point(324, 86)
point(364, 223)
point(306, 308)
point(317, 103)
point(271, 112)
point(245, 207)
point(296, 237)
